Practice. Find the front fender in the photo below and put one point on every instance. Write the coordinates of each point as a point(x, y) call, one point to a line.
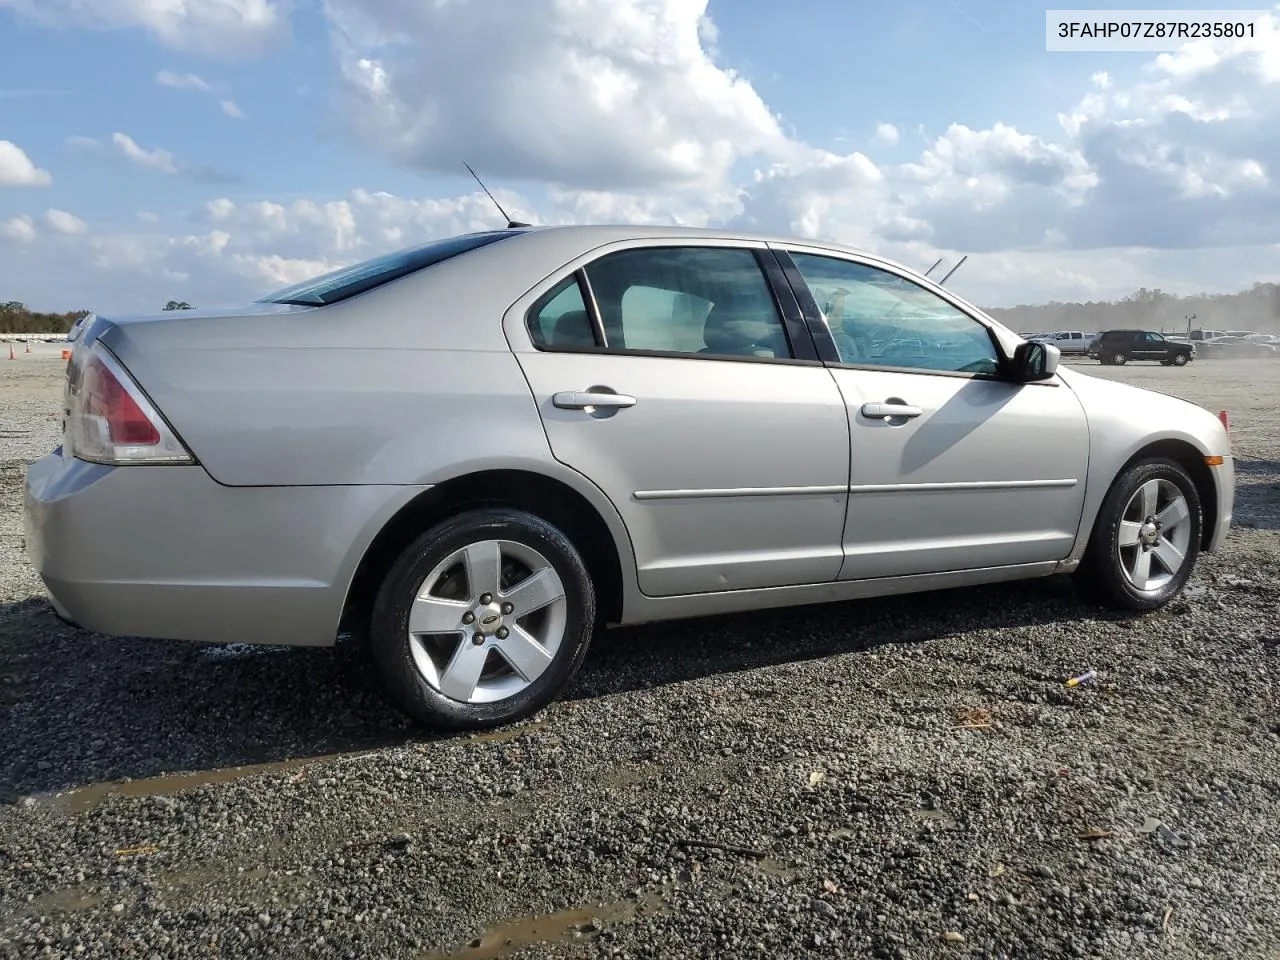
point(1125, 422)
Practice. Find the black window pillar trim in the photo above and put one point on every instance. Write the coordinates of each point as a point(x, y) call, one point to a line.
point(818, 334)
point(593, 308)
point(793, 320)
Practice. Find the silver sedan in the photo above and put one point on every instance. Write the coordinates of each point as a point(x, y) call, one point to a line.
point(472, 454)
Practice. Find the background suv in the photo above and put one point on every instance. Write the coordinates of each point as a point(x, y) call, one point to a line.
point(1121, 346)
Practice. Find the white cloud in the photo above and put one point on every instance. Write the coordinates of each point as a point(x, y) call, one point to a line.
point(619, 110)
point(65, 223)
point(156, 159)
point(79, 142)
point(281, 271)
point(887, 133)
point(182, 81)
point(217, 27)
point(193, 81)
point(17, 170)
point(20, 228)
point(595, 94)
point(163, 161)
point(1186, 157)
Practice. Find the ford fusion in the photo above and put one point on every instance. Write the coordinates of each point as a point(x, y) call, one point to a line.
point(475, 453)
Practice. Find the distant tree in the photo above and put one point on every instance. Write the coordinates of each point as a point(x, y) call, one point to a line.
point(178, 305)
point(16, 318)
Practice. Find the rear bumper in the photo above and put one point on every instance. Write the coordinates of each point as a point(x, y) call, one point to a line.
point(166, 552)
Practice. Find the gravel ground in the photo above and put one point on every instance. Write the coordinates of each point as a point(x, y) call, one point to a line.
point(898, 778)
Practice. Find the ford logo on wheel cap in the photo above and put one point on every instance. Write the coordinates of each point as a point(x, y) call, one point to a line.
point(490, 619)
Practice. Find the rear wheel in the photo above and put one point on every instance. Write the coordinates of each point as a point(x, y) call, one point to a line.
point(1119, 359)
point(483, 620)
point(1146, 538)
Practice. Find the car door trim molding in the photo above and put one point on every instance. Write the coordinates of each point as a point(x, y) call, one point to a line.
point(960, 485)
point(710, 493)
point(836, 490)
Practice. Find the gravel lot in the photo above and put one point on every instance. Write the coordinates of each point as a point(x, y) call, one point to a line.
point(898, 778)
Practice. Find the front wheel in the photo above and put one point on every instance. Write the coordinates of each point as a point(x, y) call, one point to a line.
point(483, 620)
point(1146, 538)
point(1180, 359)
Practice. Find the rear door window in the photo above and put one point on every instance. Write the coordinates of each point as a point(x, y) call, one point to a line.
point(561, 318)
point(688, 300)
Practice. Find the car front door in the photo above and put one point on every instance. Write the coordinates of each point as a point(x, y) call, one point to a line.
point(952, 467)
point(683, 383)
point(1154, 347)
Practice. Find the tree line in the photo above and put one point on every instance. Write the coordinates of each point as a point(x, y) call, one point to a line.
point(16, 318)
point(1256, 309)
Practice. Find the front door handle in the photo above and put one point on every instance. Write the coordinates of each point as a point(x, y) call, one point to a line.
point(889, 411)
point(585, 399)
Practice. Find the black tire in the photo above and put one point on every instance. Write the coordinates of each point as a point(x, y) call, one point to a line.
point(1119, 359)
point(407, 688)
point(1180, 359)
point(1100, 570)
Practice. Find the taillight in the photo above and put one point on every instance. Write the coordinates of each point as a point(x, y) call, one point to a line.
point(104, 396)
point(110, 420)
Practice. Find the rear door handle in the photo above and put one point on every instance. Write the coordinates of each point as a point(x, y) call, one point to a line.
point(582, 399)
point(889, 411)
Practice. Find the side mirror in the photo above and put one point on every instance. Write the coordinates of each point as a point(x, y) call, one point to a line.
point(1034, 361)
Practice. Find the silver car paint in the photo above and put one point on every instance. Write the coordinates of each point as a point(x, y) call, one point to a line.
point(992, 473)
point(336, 417)
point(165, 551)
point(1123, 420)
point(715, 495)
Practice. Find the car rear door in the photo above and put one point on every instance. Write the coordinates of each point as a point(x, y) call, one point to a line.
point(952, 467)
point(682, 381)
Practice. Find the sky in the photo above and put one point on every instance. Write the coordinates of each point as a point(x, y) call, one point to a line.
point(215, 150)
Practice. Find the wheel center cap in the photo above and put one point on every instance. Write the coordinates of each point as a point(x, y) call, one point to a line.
point(489, 618)
point(1149, 533)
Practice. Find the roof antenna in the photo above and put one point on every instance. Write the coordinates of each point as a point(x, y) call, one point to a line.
point(943, 281)
point(934, 267)
point(511, 224)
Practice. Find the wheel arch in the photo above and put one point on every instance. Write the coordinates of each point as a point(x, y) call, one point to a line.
point(1191, 459)
point(549, 498)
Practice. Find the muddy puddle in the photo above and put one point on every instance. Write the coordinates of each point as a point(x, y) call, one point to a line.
point(86, 798)
point(563, 927)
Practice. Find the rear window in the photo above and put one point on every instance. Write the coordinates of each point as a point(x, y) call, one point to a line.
point(365, 276)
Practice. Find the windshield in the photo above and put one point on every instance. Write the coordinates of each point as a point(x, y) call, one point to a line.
point(363, 276)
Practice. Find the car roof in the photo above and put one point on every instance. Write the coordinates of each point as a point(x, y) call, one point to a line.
point(590, 235)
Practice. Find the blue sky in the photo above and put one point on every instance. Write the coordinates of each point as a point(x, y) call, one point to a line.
point(380, 96)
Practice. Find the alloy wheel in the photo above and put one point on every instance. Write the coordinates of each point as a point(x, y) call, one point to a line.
point(487, 621)
point(1155, 532)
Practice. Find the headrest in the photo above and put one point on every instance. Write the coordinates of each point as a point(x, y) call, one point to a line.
point(573, 329)
point(733, 331)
